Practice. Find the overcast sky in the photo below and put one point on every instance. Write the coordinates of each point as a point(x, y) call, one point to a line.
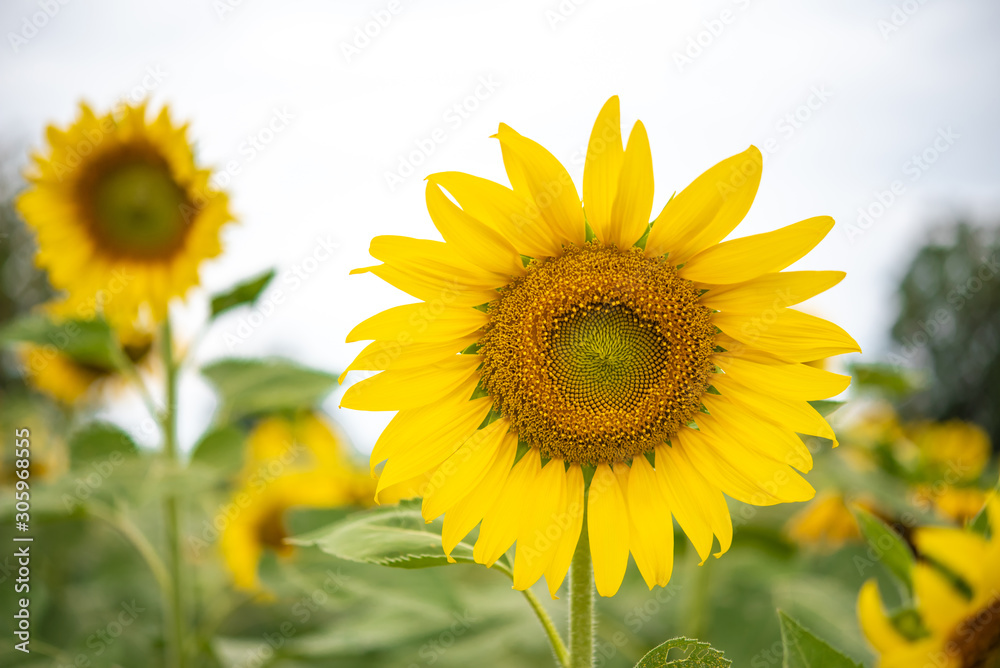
point(840, 97)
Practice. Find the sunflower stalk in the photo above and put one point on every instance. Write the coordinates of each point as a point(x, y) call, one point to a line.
point(581, 604)
point(171, 511)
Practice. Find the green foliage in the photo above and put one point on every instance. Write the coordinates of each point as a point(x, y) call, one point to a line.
point(884, 379)
point(90, 342)
point(244, 293)
point(889, 546)
point(394, 536)
point(251, 386)
point(98, 441)
point(802, 649)
point(688, 653)
point(824, 407)
point(948, 323)
point(220, 449)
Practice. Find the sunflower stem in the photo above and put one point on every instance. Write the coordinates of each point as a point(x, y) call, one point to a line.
point(558, 646)
point(581, 604)
point(170, 504)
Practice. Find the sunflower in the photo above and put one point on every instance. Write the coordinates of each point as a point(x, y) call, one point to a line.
point(826, 522)
point(290, 462)
point(569, 361)
point(123, 214)
point(957, 589)
point(71, 381)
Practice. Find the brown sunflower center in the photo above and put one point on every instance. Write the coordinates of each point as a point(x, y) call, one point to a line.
point(977, 638)
point(133, 205)
point(597, 355)
point(271, 531)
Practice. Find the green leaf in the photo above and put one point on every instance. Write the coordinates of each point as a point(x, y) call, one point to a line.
point(251, 386)
point(100, 441)
point(889, 547)
point(825, 407)
point(892, 381)
point(804, 650)
point(981, 522)
point(393, 536)
point(244, 293)
point(688, 654)
point(221, 449)
point(86, 341)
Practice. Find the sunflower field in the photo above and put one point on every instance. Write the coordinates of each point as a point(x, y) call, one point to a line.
point(298, 370)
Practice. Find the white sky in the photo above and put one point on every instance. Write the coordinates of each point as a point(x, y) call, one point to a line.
point(887, 89)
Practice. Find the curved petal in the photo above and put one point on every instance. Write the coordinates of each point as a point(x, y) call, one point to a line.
point(705, 212)
point(756, 433)
point(536, 173)
point(797, 415)
point(386, 355)
point(875, 623)
point(602, 168)
point(699, 507)
point(411, 388)
point(634, 199)
point(769, 291)
point(607, 526)
point(572, 524)
point(441, 289)
point(651, 533)
point(502, 522)
point(941, 606)
point(745, 258)
point(422, 322)
point(786, 333)
point(513, 216)
point(538, 536)
point(790, 381)
point(474, 241)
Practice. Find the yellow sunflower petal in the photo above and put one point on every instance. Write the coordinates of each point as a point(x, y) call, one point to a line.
point(651, 533)
point(756, 433)
point(607, 527)
point(513, 216)
point(941, 606)
point(796, 415)
point(411, 388)
point(547, 182)
point(465, 469)
point(538, 535)
point(432, 260)
point(385, 355)
point(602, 168)
point(787, 333)
point(700, 509)
point(467, 513)
point(962, 552)
point(875, 623)
point(705, 212)
point(441, 289)
point(433, 323)
point(792, 381)
point(769, 291)
point(571, 523)
point(503, 521)
point(474, 241)
point(634, 198)
point(745, 258)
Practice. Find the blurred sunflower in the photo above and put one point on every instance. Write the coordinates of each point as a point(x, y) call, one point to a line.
point(826, 522)
point(952, 458)
point(71, 381)
point(290, 462)
point(657, 361)
point(123, 214)
point(957, 603)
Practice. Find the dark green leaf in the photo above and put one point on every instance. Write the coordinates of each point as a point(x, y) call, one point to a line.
point(391, 536)
point(687, 653)
point(891, 381)
point(86, 341)
point(981, 522)
point(889, 547)
point(244, 293)
point(250, 387)
point(99, 441)
point(221, 449)
point(804, 650)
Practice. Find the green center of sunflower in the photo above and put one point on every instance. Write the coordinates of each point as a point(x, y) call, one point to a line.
point(597, 355)
point(134, 206)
